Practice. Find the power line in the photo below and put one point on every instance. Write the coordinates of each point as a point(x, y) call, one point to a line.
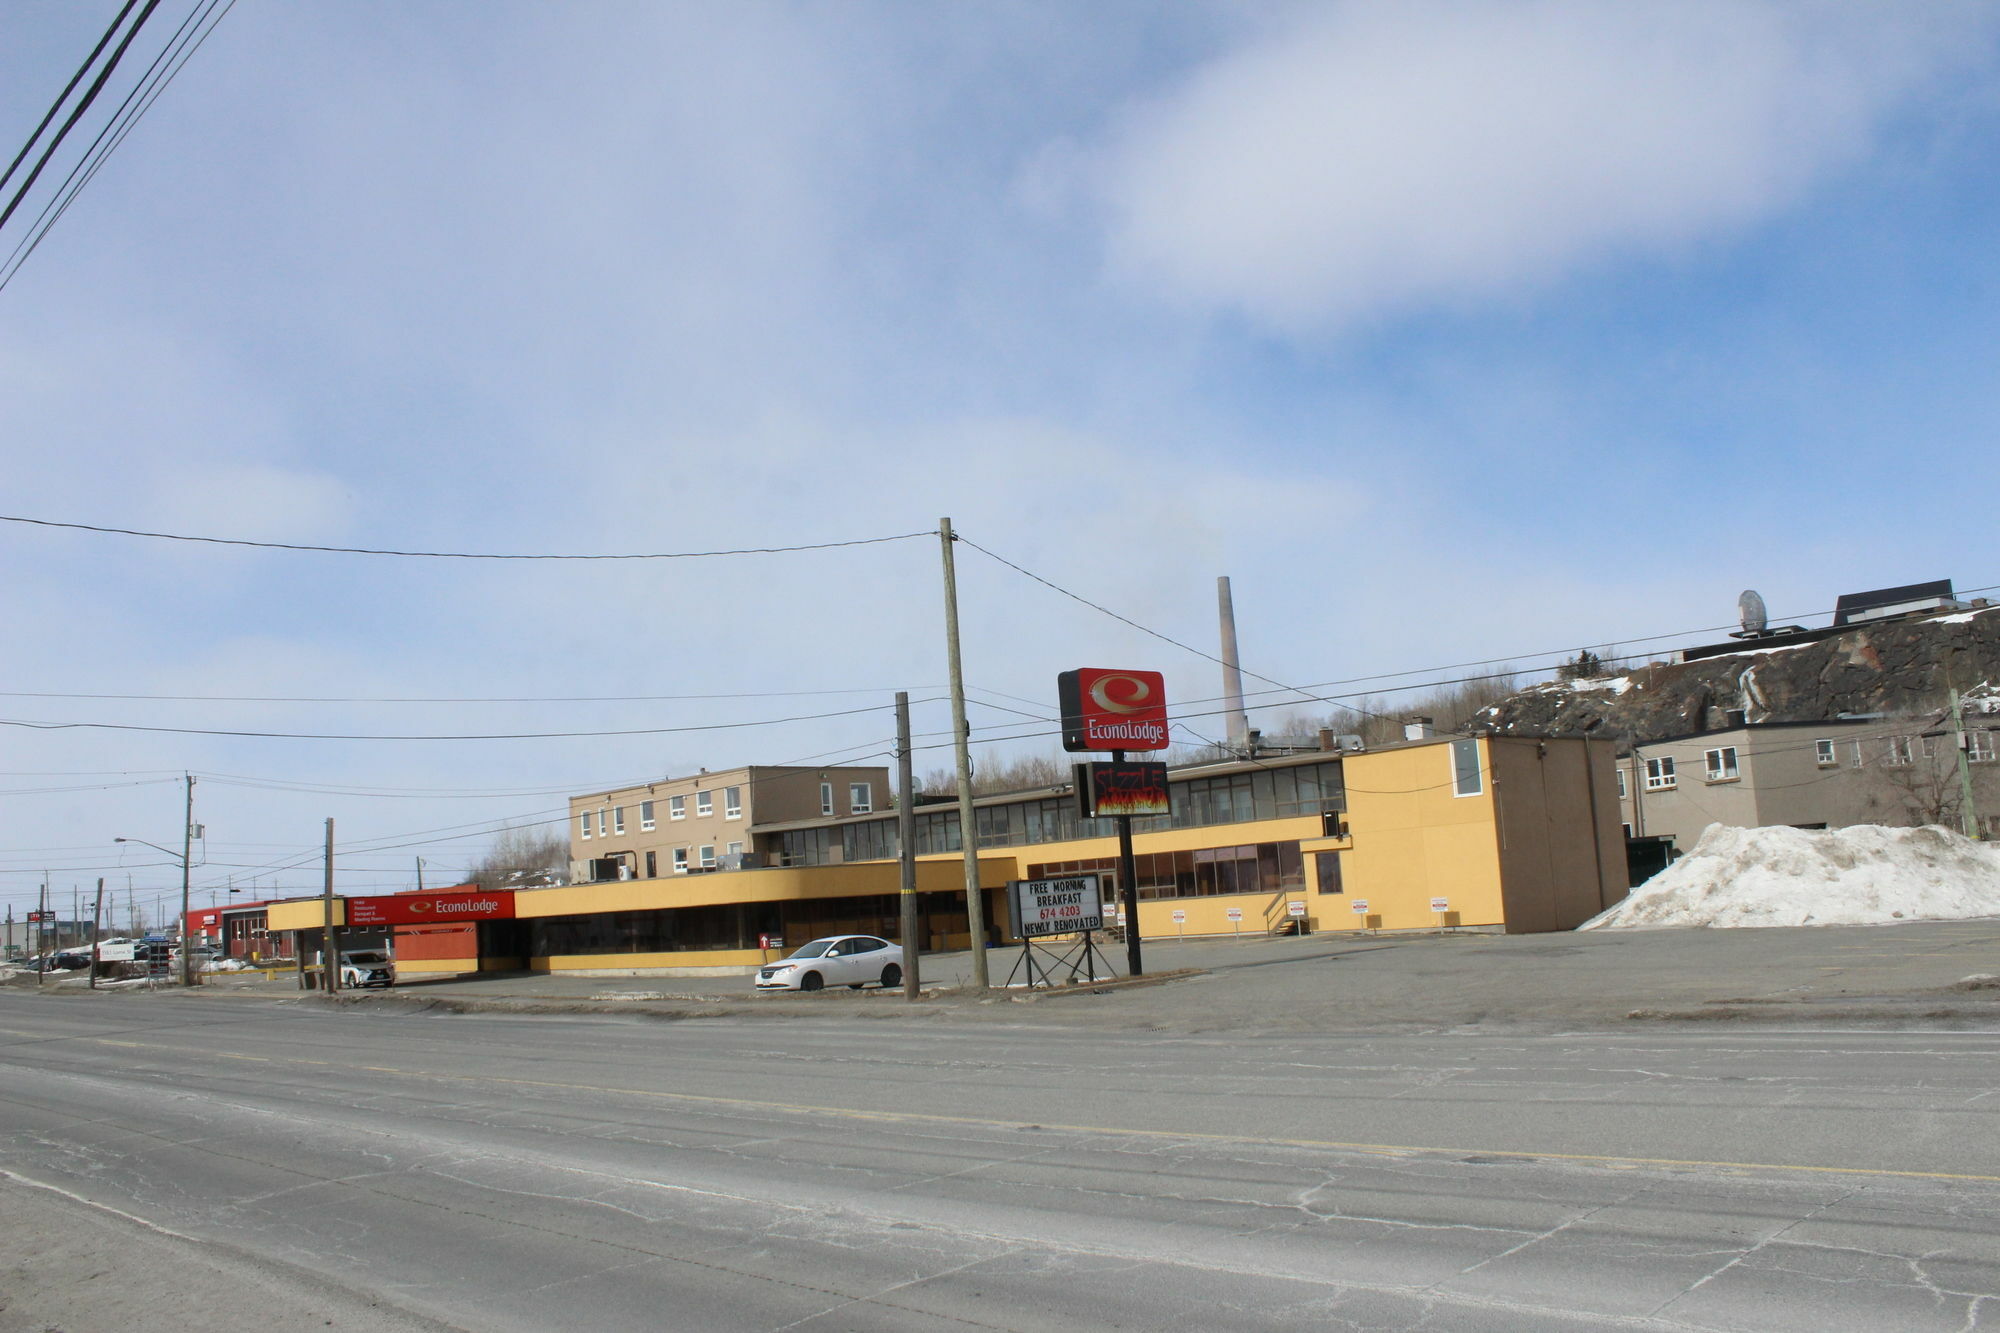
point(89, 96)
point(62, 97)
point(442, 699)
point(493, 736)
point(466, 555)
point(193, 33)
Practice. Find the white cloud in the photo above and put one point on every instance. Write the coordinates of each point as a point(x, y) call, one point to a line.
point(257, 501)
point(1377, 158)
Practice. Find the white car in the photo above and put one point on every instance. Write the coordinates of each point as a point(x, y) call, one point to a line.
point(838, 960)
point(366, 967)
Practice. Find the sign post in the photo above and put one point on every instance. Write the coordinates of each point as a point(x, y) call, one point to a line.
point(1115, 710)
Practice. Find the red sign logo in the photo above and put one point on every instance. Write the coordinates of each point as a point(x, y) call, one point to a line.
point(1108, 709)
point(408, 909)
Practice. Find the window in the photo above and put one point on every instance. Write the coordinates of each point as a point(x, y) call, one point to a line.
point(600, 823)
point(1628, 831)
point(1854, 754)
point(1927, 747)
point(677, 807)
point(860, 798)
point(733, 849)
point(1979, 746)
point(1897, 752)
point(704, 803)
point(1622, 793)
point(652, 865)
point(826, 798)
point(1328, 866)
point(708, 857)
point(1659, 775)
point(645, 816)
point(732, 803)
point(585, 822)
point(1823, 754)
point(680, 860)
point(1465, 768)
point(1721, 764)
point(618, 820)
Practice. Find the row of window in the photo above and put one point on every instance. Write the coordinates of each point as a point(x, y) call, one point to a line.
point(683, 857)
point(1234, 798)
point(1264, 867)
point(1720, 764)
point(860, 798)
point(592, 823)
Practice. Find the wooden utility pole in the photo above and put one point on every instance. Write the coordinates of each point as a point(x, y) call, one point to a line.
point(968, 830)
point(96, 930)
point(187, 855)
point(329, 952)
point(906, 843)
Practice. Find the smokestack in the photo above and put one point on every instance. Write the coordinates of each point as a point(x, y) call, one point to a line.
point(1232, 671)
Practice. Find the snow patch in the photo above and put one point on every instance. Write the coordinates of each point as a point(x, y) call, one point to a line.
point(1858, 876)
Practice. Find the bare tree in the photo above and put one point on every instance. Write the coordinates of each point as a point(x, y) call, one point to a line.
point(1925, 787)
point(1021, 773)
point(521, 858)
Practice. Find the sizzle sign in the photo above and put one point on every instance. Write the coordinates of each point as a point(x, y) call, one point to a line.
point(1054, 906)
point(410, 909)
point(1106, 709)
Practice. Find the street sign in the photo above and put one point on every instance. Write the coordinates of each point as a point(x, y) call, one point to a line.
point(117, 953)
point(1360, 906)
point(1295, 908)
point(1062, 906)
point(1180, 916)
point(770, 941)
point(1440, 904)
point(1235, 914)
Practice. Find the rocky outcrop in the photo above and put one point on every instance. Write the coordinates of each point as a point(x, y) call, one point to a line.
point(1894, 667)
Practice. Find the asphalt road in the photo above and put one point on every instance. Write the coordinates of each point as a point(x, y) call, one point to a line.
point(842, 1172)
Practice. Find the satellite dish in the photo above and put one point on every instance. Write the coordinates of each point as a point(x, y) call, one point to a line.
point(1751, 607)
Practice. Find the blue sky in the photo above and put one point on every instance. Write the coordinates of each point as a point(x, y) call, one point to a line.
point(1448, 331)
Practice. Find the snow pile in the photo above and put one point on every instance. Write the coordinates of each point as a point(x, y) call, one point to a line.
point(1859, 876)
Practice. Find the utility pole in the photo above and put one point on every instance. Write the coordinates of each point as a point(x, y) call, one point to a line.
point(906, 840)
point(329, 955)
point(968, 832)
point(96, 930)
point(1968, 816)
point(420, 874)
point(41, 935)
point(187, 855)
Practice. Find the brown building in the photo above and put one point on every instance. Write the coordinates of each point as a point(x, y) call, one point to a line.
point(683, 826)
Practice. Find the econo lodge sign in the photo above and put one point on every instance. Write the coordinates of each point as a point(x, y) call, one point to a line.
point(1108, 709)
point(410, 909)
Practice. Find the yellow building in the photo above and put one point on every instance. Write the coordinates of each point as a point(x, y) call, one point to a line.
point(1472, 832)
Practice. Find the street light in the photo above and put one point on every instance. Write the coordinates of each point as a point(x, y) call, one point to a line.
point(187, 961)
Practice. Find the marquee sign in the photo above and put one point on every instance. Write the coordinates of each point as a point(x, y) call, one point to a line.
point(1108, 709)
point(411, 909)
point(1063, 906)
point(1132, 787)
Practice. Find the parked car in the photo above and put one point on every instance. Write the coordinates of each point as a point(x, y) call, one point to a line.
point(838, 960)
point(366, 967)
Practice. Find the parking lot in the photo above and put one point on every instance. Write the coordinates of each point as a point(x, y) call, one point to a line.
point(1921, 973)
